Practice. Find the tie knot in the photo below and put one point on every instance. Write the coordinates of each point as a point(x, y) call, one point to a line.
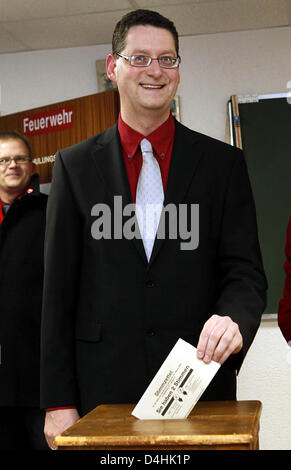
point(146, 146)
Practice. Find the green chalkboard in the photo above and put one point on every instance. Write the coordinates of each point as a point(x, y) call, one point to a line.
point(266, 141)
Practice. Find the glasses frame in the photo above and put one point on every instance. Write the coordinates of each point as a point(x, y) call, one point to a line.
point(150, 59)
point(15, 159)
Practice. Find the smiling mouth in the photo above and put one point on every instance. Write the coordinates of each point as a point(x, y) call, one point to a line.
point(152, 87)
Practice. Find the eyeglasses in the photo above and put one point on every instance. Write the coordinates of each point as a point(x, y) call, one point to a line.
point(5, 161)
point(165, 62)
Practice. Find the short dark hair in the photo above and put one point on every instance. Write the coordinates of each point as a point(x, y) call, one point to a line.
point(141, 17)
point(8, 135)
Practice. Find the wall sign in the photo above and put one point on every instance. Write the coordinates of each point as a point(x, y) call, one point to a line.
point(49, 121)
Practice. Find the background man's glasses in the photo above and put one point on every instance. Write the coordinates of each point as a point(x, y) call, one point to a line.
point(145, 60)
point(5, 161)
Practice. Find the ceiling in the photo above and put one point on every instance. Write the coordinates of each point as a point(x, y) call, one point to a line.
point(27, 25)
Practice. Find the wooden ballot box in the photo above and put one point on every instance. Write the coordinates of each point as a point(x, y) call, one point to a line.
point(225, 425)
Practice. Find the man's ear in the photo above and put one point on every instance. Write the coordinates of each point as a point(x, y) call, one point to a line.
point(33, 168)
point(111, 67)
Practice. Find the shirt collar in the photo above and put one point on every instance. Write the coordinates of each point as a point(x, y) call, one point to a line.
point(161, 138)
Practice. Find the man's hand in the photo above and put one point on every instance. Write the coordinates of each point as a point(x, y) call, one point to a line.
point(57, 421)
point(219, 338)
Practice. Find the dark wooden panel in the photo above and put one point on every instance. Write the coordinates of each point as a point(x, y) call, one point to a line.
point(90, 114)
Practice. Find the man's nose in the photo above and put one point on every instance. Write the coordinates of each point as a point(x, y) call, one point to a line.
point(12, 163)
point(154, 68)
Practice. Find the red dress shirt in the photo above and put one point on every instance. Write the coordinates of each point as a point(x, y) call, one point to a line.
point(284, 313)
point(162, 140)
point(1, 211)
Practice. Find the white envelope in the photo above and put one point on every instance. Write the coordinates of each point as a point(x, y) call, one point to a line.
point(177, 386)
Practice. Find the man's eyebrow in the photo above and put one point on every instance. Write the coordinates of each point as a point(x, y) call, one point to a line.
point(146, 52)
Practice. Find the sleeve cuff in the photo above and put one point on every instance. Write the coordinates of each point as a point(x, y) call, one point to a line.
point(61, 408)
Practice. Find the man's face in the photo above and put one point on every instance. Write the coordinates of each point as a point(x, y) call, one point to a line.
point(145, 88)
point(14, 177)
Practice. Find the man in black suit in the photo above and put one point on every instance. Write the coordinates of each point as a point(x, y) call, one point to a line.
point(22, 228)
point(113, 307)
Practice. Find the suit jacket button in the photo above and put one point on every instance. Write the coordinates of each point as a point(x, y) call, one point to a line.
point(150, 283)
point(151, 333)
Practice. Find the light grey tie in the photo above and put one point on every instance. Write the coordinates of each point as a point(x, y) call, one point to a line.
point(149, 197)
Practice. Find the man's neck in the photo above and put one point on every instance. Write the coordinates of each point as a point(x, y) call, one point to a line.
point(146, 123)
point(8, 198)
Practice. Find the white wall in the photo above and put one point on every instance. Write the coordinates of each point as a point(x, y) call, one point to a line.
point(219, 65)
point(32, 79)
point(213, 67)
point(266, 376)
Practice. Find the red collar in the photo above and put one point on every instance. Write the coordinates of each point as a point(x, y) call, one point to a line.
point(161, 138)
point(28, 190)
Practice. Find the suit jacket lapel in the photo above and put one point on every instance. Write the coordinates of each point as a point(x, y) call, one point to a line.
point(109, 161)
point(185, 157)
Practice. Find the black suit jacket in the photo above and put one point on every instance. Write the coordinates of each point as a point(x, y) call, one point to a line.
point(21, 282)
point(109, 317)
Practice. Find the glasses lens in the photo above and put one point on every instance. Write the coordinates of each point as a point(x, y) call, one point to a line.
point(17, 160)
point(140, 60)
point(169, 62)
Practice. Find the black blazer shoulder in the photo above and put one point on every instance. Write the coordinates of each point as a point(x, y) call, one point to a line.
point(85, 147)
point(209, 144)
point(186, 141)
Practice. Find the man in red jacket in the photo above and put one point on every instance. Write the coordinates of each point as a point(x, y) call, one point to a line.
point(284, 313)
